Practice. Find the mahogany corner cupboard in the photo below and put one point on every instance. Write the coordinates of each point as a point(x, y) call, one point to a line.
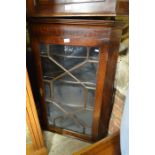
point(76, 62)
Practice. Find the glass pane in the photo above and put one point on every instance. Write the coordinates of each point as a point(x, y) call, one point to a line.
point(90, 99)
point(94, 52)
point(43, 49)
point(69, 74)
point(67, 62)
point(68, 94)
point(65, 50)
point(50, 69)
point(86, 73)
point(47, 89)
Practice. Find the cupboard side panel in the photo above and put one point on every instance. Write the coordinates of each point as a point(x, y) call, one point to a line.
point(108, 90)
point(101, 75)
point(42, 105)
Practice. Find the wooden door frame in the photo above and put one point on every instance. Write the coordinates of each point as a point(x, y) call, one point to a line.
point(37, 147)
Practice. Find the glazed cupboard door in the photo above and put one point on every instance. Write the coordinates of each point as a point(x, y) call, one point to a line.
point(72, 61)
point(69, 77)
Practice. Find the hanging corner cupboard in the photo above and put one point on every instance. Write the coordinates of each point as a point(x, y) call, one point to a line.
point(75, 61)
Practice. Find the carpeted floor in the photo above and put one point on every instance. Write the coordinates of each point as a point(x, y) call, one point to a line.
point(62, 145)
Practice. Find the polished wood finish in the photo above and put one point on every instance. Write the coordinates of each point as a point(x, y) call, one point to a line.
point(122, 7)
point(107, 146)
point(31, 151)
point(34, 46)
point(64, 8)
point(108, 90)
point(104, 34)
point(70, 133)
point(37, 147)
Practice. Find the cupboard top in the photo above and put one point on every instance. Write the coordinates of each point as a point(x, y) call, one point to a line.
point(61, 8)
